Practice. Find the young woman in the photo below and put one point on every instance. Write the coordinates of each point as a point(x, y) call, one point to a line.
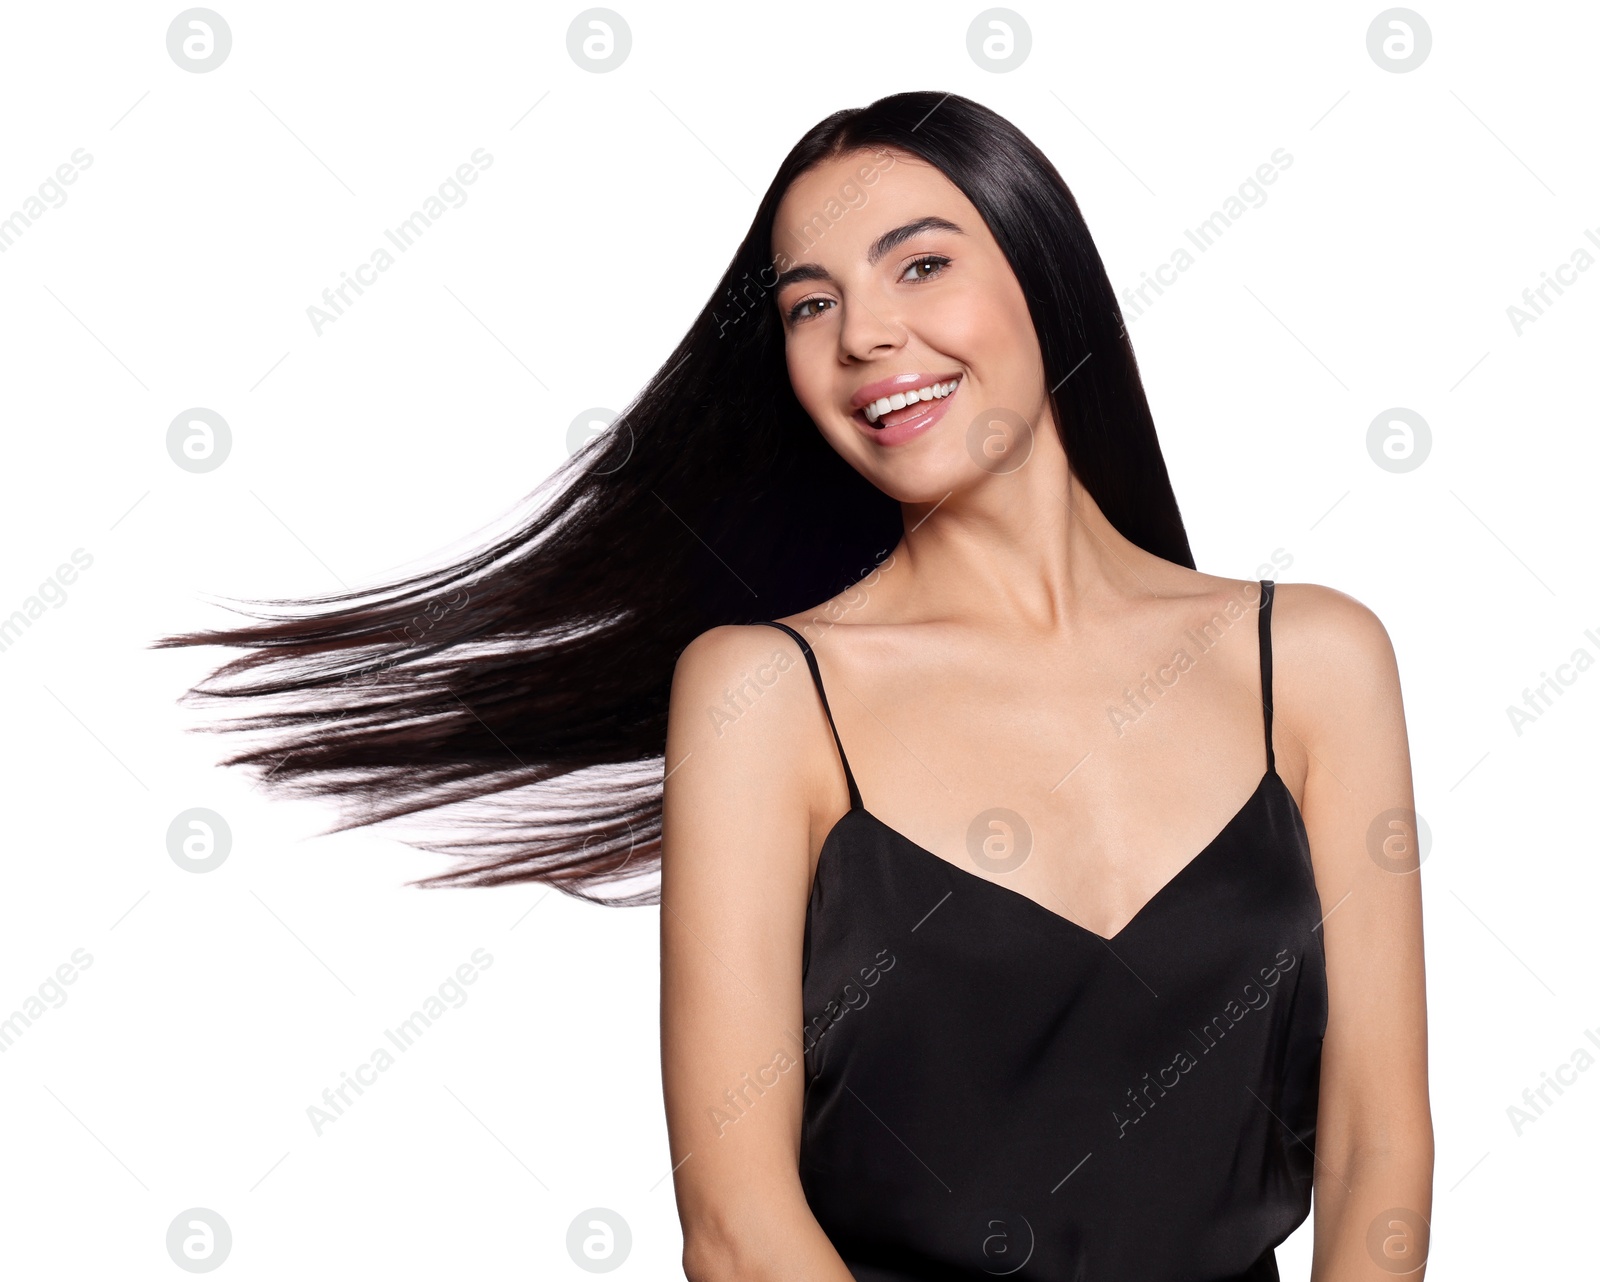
point(1031, 902)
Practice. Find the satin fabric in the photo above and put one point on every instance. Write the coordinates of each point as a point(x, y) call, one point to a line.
point(995, 1091)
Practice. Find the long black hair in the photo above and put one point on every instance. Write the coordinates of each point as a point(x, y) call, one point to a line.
point(528, 683)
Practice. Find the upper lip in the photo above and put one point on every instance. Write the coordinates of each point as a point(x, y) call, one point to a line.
point(896, 383)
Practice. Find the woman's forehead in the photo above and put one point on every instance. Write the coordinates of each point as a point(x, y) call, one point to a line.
point(852, 200)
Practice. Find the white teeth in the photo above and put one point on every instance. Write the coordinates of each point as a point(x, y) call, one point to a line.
point(884, 404)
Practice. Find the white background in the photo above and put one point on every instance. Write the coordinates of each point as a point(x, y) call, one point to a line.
point(219, 206)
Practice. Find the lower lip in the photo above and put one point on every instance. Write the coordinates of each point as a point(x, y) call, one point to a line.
point(910, 429)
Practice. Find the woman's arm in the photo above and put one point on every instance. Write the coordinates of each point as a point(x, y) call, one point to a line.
point(1338, 693)
point(735, 879)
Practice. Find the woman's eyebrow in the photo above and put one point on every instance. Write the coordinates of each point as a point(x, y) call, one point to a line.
point(885, 244)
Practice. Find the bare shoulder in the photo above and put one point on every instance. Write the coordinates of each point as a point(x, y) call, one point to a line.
point(738, 713)
point(1335, 674)
point(717, 653)
point(727, 669)
point(1340, 636)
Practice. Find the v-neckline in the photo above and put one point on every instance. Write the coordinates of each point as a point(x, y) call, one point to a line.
point(966, 874)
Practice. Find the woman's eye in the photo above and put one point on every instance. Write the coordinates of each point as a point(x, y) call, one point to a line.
point(935, 259)
point(798, 315)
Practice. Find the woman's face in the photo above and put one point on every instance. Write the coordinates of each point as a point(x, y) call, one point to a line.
point(899, 284)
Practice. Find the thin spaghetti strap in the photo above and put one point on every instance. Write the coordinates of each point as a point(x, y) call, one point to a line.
point(1266, 665)
point(816, 676)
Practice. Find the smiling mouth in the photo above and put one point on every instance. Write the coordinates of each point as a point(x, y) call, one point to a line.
point(892, 416)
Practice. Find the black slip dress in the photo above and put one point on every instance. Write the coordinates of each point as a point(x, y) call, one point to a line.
point(992, 1090)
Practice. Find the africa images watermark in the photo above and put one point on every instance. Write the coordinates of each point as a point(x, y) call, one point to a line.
point(849, 197)
point(50, 195)
point(403, 237)
point(1138, 701)
point(51, 995)
point(736, 1102)
point(1536, 1101)
point(1146, 1096)
point(51, 592)
point(1250, 194)
point(402, 1037)
point(1541, 698)
point(1536, 299)
point(739, 699)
